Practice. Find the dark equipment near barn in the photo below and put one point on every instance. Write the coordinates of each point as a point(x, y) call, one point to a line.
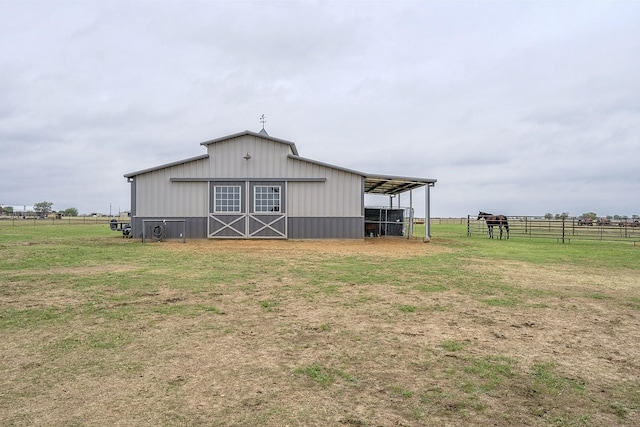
point(125, 227)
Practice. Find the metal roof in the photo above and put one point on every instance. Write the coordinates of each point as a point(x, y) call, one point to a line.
point(262, 134)
point(376, 184)
point(379, 184)
point(166, 165)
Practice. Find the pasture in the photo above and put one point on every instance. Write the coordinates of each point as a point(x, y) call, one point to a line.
point(100, 330)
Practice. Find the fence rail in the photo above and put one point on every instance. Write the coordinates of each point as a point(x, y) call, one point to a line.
point(563, 230)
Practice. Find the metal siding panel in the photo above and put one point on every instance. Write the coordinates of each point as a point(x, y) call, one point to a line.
point(188, 199)
point(326, 228)
point(136, 227)
point(339, 196)
point(157, 196)
point(268, 158)
point(196, 228)
point(144, 192)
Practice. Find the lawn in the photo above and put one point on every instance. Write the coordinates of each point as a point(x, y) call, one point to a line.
point(100, 330)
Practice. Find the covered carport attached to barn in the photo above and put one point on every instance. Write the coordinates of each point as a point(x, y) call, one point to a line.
point(395, 186)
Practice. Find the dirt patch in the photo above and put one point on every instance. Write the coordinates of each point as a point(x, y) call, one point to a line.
point(384, 247)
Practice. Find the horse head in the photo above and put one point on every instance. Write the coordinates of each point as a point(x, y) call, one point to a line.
point(483, 215)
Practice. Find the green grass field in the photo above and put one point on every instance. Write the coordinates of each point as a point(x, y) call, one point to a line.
point(101, 330)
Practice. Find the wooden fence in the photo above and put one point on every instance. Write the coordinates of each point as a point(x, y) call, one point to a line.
point(563, 230)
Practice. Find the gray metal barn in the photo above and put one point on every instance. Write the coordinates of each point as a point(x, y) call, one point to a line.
point(252, 185)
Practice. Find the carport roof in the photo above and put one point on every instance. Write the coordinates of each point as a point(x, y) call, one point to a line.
point(376, 184)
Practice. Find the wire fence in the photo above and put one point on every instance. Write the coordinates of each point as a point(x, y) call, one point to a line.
point(563, 230)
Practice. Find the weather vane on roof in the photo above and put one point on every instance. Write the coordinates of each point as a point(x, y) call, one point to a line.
point(263, 120)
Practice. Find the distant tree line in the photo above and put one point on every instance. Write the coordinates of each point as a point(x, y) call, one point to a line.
point(590, 215)
point(41, 209)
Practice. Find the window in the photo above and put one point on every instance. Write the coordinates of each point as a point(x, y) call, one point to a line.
point(267, 199)
point(227, 199)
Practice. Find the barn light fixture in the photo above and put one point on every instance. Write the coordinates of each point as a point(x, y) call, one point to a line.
point(248, 156)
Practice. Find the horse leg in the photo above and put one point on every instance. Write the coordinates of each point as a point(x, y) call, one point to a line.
point(490, 231)
point(507, 227)
point(500, 227)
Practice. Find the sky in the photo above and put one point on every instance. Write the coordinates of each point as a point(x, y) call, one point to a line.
point(515, 107)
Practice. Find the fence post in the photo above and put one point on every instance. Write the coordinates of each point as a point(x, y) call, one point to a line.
point(468, 225)
point(563, 229)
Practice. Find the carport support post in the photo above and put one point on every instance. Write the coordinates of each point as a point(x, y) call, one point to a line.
point(410, 233)
point(427, 213)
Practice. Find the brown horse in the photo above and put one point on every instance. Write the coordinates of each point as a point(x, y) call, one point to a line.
point(492, 220)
